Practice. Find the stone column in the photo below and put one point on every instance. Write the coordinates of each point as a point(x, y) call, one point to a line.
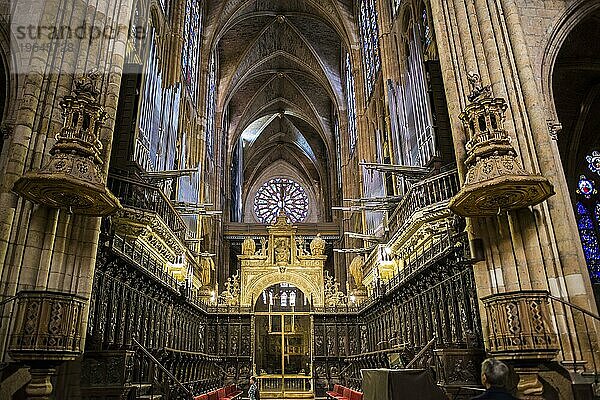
point(40, 386)
point(535, 248)
point(43, 247)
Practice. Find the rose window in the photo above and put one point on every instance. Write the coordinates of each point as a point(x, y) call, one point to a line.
point(281, 194)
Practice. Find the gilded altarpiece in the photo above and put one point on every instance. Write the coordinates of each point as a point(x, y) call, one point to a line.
point(282, 257)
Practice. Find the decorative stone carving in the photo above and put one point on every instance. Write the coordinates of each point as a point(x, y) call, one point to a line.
point(520, 326)
point(106, 373)
point(280, 259)
point(231, 294)
point(73, 178)
point(554, 129)
point(317, 246)
point(459, 366)
point(333, 295)
point(48, 327)
point(282, 250)
point(149, 227)
point(248, 247)
point(495, 179)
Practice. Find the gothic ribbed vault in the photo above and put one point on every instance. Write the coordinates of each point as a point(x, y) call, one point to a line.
point(280, 88)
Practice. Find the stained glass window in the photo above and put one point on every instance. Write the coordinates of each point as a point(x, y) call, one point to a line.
point(351, 103)
point(594, 162)
point(369, 33)
point(281, 194)
point(426, 35)
point(210, 104)
point(191, 45)
point(588, 222)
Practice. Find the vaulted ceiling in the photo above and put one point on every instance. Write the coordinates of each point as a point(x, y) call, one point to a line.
point(280, 81)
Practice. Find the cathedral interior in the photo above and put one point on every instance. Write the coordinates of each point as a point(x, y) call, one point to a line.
point(194, 192)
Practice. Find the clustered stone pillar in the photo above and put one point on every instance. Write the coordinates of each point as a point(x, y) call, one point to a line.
point(526, 250)
point(48, 251)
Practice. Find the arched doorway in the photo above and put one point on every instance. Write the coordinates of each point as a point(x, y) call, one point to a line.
point(282, 342)
point(576, 91)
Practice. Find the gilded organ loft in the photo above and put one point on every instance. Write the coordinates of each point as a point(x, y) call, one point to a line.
point(194, 192)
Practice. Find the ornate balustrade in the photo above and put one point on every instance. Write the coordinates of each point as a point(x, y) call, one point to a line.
point(141, 196)
point(520, 325)
point(415, 227)
point(437, 189)
point(538, 326)
point(48, 326)
point(531, 327)
point(434, 297)
point(143, 259)
point(148, 217)
point(417, 263)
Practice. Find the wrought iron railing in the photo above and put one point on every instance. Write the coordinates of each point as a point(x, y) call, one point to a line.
point(578, 337)
point(148, 370)
point(430, 191)
point(289, 383)
point(538, 325)
point(143, 196)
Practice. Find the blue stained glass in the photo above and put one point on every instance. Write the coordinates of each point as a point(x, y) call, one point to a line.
point(588, 232)
point(586, 187)
point(585, 222)
point(581, 210)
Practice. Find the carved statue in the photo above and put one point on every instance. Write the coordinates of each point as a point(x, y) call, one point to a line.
point(231, 294)
point(282, 250)
point(477, 88)
point(248, 247)
point(264, 243)
point(87, 84)
point(356, 270)
point(317, 246)
point(333, 295)
point(300, 246)
point(207, 267)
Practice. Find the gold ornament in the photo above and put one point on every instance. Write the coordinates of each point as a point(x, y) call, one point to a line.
point(356, 270)
point(248, 247)
point(317, 246)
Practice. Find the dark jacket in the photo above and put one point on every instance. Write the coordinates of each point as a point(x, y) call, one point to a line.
point(253, 391)
point(495, 394)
